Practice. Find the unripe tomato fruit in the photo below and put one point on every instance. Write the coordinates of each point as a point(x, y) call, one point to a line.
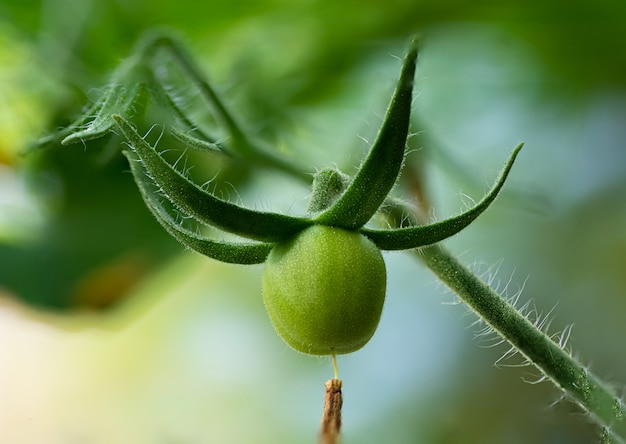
point(324, 290)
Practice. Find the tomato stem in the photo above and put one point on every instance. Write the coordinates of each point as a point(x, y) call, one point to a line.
point(331, 419)
point(535, 345)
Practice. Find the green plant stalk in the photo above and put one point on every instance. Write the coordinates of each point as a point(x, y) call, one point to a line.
point(544, 353)
point(242, 145)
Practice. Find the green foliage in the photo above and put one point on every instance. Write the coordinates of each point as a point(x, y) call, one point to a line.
point(324, 283)
point(296, 309)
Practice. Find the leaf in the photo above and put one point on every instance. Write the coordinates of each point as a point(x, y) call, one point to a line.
point(240, 145)
point(195, 142)
point(182, 125)
point(54, 138)
point(118, 99)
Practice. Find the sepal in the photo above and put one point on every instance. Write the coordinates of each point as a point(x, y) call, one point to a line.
point(422, 235)
point(119, 98)
point(230, 252)
point(205, 207)
point(379, 172)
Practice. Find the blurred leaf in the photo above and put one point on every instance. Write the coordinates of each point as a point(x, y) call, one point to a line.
point(97, 215)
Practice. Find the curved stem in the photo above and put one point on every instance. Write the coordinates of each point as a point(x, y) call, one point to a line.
point(564, 371)
point(241, 143)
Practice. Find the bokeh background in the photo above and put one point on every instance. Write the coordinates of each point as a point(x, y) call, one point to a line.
point(111, 333)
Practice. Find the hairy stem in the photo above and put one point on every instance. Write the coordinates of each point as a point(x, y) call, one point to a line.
point(575, 380)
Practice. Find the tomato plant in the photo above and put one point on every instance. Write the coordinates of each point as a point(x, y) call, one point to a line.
point(324, 279)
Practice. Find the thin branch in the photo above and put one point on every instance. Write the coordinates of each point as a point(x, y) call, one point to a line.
point(331, 419)
point(582, 386)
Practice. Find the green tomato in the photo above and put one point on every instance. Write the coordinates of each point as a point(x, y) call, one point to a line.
point(324, 290)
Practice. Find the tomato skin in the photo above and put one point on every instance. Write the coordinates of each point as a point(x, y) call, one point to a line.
point(324, 290)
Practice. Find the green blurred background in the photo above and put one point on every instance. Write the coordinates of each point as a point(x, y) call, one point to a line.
point(110, 333)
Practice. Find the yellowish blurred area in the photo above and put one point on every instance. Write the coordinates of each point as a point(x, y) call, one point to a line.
point(165, 367)
point(24, 91)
